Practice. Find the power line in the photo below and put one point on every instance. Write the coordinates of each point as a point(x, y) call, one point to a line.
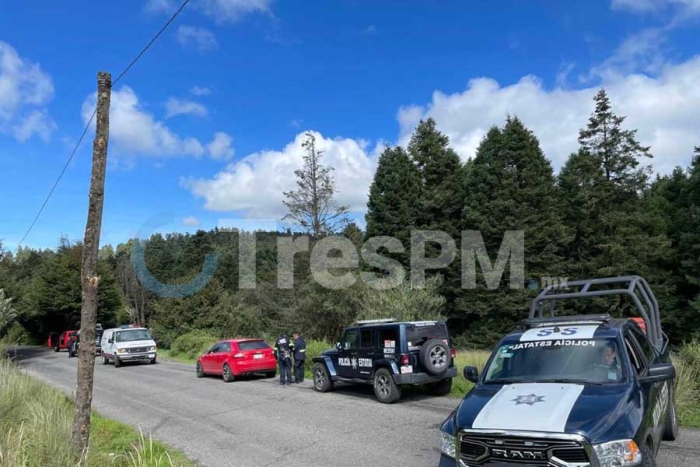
point(75, 149)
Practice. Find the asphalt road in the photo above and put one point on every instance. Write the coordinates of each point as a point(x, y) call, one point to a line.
point(256, 422)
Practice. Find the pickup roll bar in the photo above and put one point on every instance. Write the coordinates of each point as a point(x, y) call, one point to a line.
point(634, 287)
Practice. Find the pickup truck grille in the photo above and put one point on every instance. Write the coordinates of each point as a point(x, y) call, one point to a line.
point(137, 350)
point(486, 450)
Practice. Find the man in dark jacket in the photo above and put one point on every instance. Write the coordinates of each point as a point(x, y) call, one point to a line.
point(299, 357)
point(283, 354)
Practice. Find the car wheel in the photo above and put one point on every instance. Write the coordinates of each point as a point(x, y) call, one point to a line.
point(440, 388)
point(385, 389)
point(198, 370)
point(435, 357)
point(117, 362)
point(227, 373)
point(271, 374)
point(648, 459)
point(671, 425)
point(55, 349)
point(322, 380)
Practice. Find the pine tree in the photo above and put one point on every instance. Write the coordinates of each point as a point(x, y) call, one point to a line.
point(440, 202)
point(614, 148)
point(510, 185)
point(312, 205)
point(393, 196)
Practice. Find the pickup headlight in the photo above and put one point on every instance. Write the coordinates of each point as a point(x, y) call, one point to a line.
point(121, 350)
point(448, 444)
point(152, 349)
point(622, 453)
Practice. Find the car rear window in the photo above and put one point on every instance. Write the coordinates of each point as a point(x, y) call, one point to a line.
point(420, 333)
point(253, 345)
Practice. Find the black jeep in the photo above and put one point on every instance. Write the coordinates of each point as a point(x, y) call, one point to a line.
point(389, 354)
point(580, 390)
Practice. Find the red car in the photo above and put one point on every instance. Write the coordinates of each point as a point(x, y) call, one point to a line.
point(62, 342)
point(238, 357)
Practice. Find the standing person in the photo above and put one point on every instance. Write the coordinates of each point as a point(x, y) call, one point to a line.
point(283, 354)
point(299, 357)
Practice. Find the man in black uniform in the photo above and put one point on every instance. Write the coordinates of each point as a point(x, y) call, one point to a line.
point(283, 354)
point(299, 357)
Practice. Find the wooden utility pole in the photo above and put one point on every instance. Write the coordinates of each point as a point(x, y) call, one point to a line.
point(90, 279)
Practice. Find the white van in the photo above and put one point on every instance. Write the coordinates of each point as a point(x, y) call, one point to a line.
point(127, 345)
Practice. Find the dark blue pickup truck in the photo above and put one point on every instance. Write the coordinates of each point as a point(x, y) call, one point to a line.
point(570, 391)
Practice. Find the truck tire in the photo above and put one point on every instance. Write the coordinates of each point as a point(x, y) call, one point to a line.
point(153, 361)
point(648, 459)
point(385, 388)
point(104, 359)
point(671, 425)
point(227, 374)
point(440, 388)
point(117, 363)
point(435, 357)
point(322, 380)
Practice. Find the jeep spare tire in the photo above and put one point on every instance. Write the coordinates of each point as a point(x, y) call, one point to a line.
point(435, 357)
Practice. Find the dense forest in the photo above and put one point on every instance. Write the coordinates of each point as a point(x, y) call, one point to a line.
point(603, 214)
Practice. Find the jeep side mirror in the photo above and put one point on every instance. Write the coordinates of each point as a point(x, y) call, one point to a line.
point(337, 345)
point(471, 374)
point(659, 372)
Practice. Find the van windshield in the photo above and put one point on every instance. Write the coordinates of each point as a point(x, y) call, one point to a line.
point(132, 335)
point(594, 361)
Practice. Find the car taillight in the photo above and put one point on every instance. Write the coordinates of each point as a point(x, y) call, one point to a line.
point(453, 353)
point(238, 355)
point(405, 359)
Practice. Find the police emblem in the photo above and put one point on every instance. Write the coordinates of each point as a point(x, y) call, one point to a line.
point(353, 361)
point(530, 399)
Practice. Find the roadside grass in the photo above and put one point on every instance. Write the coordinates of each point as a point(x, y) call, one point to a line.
point(36, 423)
point(687, 363)
point(167, 354)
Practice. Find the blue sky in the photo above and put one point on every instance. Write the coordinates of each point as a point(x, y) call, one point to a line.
point(208, 125)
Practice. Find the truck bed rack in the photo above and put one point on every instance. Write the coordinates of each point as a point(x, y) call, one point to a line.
point(634, 287)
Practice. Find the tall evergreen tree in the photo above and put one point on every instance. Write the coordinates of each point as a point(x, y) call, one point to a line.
point(393, 196)
point(440, 201)
point(510, 185)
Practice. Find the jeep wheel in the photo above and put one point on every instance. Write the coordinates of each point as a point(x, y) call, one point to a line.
point(322, 380)
point(385, 389)
point(435, 357)
point(198, 370)
point(671, 425)
point(227, 373)
point(648, 459)
point(440, 388)
point(117, 362)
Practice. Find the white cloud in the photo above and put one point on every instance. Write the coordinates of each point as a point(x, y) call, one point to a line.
point(191, 221)
point(136, 132)
point(24, 91)
point(175, 107)
point(220, 147)
point(229, 11)
point(665, 109)
point(682, 7)
point(640, 52)
point(200, 91)
point(222, 11)
point(200, 38)
point(370, 30)
point(37, 122)
point(255, 185)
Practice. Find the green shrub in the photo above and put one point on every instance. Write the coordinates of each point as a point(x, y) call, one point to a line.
point(192, 344)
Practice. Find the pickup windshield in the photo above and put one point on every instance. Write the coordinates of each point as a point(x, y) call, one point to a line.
point(587, 361)
point(132, 335)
